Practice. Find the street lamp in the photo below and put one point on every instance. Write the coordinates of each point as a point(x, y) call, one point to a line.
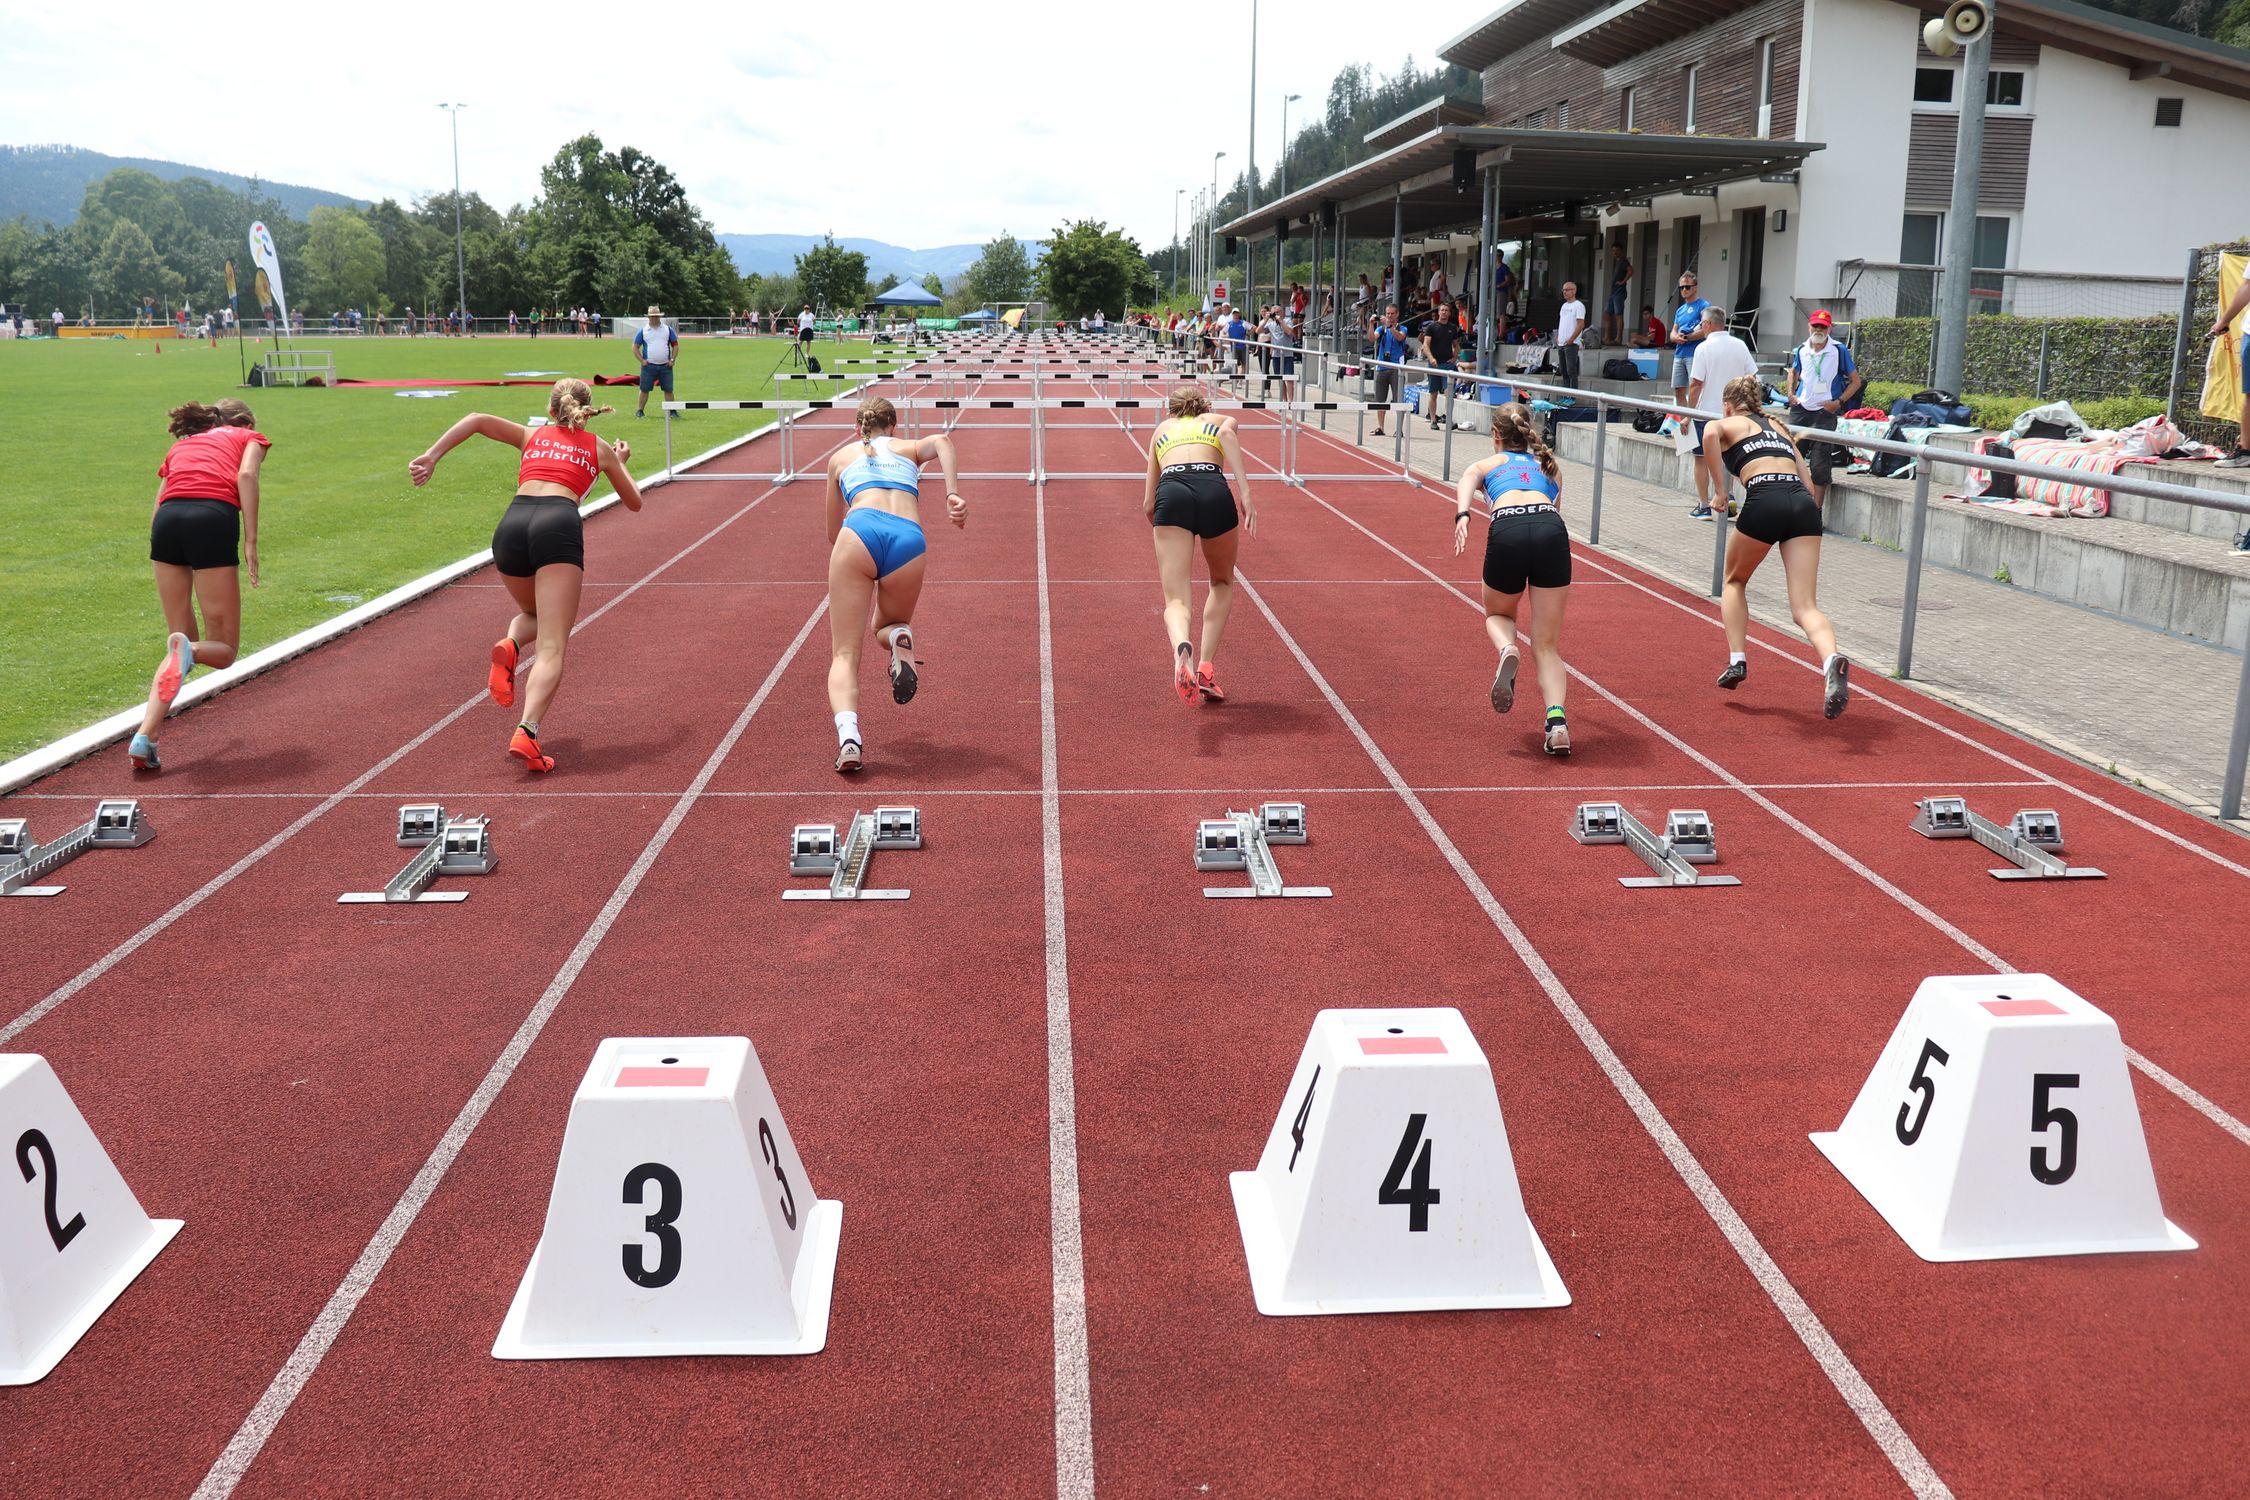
point(1177, 193)
point(1285, 103)
point(460, 262)
point(1214, 213)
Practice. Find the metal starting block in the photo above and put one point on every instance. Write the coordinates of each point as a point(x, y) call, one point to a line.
point(1241, 841)
point(1688, 840)
point(443, 845)
point(813, 850)
point(117, 824)
point(2028, 842)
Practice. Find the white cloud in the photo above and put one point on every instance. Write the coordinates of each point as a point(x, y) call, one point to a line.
point(904, 122)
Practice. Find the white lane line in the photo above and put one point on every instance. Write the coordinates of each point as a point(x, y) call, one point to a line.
point(2045, 778)
point(1074, 1407)
point(1857, 1394)
point(226, 877)
point(2201, 1103)
point(290, 1381)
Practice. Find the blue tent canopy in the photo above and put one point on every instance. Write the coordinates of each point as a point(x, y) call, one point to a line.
point(907, 294)
point(981, 315)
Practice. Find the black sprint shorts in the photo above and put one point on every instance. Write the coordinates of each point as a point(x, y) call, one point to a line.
point(196, 534)
point(1195, 497)
point(1526, 544)
point(1776, 509)
point(537, 530)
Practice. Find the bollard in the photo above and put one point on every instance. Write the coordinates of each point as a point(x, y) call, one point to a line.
point(1915, 527)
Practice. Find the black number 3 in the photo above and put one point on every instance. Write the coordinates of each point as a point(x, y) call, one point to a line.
point(658, 1223)
point(34, 1143)
point(772, 1154)
point(1921, 1083)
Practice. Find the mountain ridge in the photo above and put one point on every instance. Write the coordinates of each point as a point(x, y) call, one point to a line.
point(776, 255)
point(47, 183)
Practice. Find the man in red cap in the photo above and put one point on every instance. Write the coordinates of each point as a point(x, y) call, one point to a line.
point(1821, 381)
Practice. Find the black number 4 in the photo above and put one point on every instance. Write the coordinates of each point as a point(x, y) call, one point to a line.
point(1420, 1195)
point(658, 1223)
point(2053, 1170)
point(1304, 1113)
point(34, 1143)
point(1921, 1083)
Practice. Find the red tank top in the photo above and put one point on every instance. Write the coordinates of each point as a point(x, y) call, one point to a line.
point(561, 455)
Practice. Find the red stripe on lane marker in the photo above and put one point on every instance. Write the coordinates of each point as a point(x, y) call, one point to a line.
point(1394, 1046)
point(2007, 1007)
point(661, 1078)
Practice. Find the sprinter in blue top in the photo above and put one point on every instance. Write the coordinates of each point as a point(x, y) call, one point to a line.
point(1525, 544)
point(876, 556)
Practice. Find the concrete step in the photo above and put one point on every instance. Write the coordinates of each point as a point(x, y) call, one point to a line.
point(2188, 582)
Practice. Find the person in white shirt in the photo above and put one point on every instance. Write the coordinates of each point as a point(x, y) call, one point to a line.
point(1437, 281)
point(1101, 323)
point(805, 325)
point(658, 347)
point(1720, 357)
point(1570, 327)
point(1820, 382)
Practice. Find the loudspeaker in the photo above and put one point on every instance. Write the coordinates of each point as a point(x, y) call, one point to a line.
point(1328, 213)
point(1232, 247)
point(1281, 229)
point(1964, 21)
point(1464, 170)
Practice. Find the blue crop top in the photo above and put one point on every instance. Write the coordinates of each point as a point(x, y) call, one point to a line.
point(880, 470)
point(1518, 471)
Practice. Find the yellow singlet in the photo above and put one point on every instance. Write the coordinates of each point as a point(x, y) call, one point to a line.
point(1202, 431)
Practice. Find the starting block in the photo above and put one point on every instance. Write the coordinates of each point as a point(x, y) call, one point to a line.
point(117, 824)
point(2000, 1122)
point(449, 846)
point(813, 851)
point(1387, 1184)
point(2029, 840)
point(72, 1235)
point(1242, 841)
point(682, 1221)
point(1689, 840)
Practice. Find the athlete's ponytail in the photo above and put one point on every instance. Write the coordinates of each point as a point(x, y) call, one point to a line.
point(572, 405)
point(876, 418)
point(1514, 430)
point(193, 417)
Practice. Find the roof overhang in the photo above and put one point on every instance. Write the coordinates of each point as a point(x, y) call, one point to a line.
point(1630, 27)
point(2142, 49)
point(1420, 119)
point(1543, 173)
point(1517, 24)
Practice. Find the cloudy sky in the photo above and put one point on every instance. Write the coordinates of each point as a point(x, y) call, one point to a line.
point(918, 124)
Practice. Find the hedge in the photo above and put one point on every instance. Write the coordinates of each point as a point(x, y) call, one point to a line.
point(2088, 359)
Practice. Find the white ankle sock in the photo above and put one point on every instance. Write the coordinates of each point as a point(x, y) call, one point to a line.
point(1737, 659)
point(847, 727)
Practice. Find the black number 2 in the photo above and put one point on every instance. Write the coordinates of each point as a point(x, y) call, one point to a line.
point(34, 1143)
point(1304, 1113)
point(772, 1154)
point(1395, 1189)
point(2053, 1170)
point(1921, 1083)
point(658, 1223)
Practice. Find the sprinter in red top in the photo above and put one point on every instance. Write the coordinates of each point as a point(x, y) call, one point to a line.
point(539, 546)
point(206, 507)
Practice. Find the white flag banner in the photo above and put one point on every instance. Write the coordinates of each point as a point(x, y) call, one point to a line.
point(268, 260)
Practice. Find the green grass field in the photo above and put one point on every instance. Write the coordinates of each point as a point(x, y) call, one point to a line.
point(84, 430)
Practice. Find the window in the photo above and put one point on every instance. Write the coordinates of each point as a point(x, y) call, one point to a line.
point(1562, 115)
point(2168, 112)
point(1625, 108)
point(2005, 89)
point(1765, 86)
point(1687, 123)
point(1538, 120)
point(1933, 85)
point(1922, 243)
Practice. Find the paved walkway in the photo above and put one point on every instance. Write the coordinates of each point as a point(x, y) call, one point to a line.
point(2156, 709)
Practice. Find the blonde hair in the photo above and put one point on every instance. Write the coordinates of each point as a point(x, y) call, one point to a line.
point(876, 417)
point(1747, 393)
point(1188, 401)
point(193, 417)
point(571, 405)
point(1513, 429)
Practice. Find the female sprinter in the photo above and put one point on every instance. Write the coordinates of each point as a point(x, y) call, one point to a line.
point(1526, 543)
point(539, 546)
point(876, 555)
point(1777, 510)
point(208, 502)
point(1187, 498)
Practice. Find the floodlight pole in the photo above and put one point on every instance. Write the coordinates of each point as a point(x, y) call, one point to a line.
point(1286, 101)
point(1961, 220)
point(1251, 200)
point(1214, 265)
point(460, 261)
point(1176, 195)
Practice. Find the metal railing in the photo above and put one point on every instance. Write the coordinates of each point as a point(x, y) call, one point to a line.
point(2238, 743)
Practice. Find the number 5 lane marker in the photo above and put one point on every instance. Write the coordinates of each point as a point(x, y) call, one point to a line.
point(1884, 1428)
point(250, 1438)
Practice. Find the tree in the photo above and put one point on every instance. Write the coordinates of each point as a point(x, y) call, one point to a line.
point(934, 285)
point(129, 269)
point(1002, 273)
point(890, 280)
point(1088, 267)
point(342, 262)
point(18, 247)
point(831, 276)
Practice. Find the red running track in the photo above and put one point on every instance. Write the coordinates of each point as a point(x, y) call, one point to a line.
point(1045, 1064)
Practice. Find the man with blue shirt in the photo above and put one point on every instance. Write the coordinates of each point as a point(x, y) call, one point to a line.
point(1238, 342)
point(1390, 349)
point(1820, 383)
point(1687, 332)
point(659, 349)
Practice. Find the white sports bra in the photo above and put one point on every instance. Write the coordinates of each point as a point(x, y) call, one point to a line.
point(880, 470)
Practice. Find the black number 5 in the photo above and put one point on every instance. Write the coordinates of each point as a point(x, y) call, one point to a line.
point(658, 1223)
point(772, 1154)
point(34, 1143)
point(1910, 1131)
point(2055, 1169)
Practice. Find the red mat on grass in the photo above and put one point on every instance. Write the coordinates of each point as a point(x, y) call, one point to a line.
point(423, 385)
